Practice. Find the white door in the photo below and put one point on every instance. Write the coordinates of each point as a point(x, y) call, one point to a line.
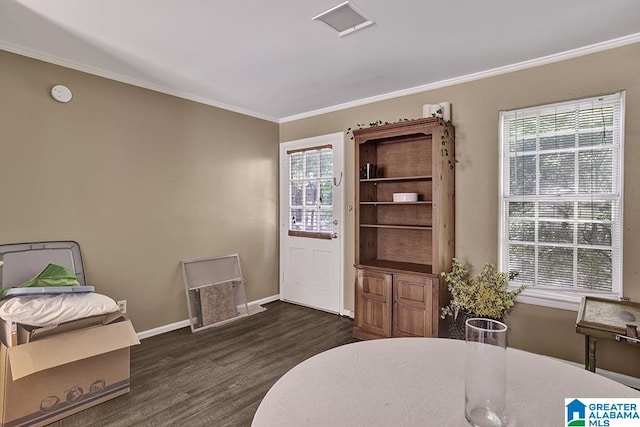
point(311, 221)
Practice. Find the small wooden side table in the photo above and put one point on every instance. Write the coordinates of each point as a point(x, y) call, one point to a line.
point(608, 319)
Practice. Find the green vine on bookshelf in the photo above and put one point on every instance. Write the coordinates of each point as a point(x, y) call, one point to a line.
point(373, 124)
point(446, 139)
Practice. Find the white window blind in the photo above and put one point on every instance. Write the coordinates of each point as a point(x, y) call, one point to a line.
point(561, 204)
point(311, 192)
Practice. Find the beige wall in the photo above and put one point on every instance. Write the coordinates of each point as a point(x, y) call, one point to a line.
point(475, 107)
point(140, 179)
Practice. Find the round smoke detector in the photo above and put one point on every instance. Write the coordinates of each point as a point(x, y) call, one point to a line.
point(61, 93)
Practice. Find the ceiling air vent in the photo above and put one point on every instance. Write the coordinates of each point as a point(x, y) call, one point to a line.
point(344, 19)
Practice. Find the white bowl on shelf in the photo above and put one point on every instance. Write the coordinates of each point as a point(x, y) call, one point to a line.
point(405, 197)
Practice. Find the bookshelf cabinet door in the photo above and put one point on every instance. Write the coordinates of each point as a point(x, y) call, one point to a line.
point(373, 300)
point(412, 306)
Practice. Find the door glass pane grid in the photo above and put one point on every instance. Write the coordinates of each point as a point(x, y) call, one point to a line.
point(311, 190)
point(572, 153)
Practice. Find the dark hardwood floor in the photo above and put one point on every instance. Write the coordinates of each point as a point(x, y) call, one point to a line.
point(216, 377)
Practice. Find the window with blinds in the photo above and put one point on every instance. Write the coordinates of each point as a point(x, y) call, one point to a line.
point(561, 204)
point(311, 192)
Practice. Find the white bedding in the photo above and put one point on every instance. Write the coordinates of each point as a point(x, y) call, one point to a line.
point(51, 310)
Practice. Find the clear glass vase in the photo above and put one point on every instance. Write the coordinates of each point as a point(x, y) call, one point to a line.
point(485, 372)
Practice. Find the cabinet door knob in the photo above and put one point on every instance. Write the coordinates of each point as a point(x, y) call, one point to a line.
point(334, 235)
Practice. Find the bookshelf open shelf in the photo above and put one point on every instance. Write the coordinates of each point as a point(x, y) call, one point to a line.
point(401, 247)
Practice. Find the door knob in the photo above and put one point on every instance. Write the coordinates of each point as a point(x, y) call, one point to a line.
point(334, 235)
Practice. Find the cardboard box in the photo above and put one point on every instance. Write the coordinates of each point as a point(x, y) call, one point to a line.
point(27, 334)
point(12, 334)
point(8, 333)
point(53, 377)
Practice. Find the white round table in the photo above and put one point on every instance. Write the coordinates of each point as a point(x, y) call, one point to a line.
point(420, 382)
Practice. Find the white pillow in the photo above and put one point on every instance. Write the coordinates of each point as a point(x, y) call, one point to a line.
point(51, 310)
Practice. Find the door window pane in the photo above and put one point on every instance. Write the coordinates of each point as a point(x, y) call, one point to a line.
point(311, 190)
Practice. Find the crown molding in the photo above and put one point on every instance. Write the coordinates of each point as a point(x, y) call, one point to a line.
point(30, 53)
point(562, 56)
point(598, 47)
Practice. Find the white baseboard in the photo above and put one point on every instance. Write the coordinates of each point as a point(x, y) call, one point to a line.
point(185, 323)
point(162, 329)
point(266, 300)
point(348, 313)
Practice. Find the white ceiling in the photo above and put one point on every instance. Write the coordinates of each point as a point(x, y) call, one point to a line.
point(270, 60)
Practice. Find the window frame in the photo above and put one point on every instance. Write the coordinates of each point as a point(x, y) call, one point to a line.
point(318, 206)
point(558, 298)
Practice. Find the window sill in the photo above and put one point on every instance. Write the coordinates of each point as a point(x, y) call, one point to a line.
point(557, 300)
